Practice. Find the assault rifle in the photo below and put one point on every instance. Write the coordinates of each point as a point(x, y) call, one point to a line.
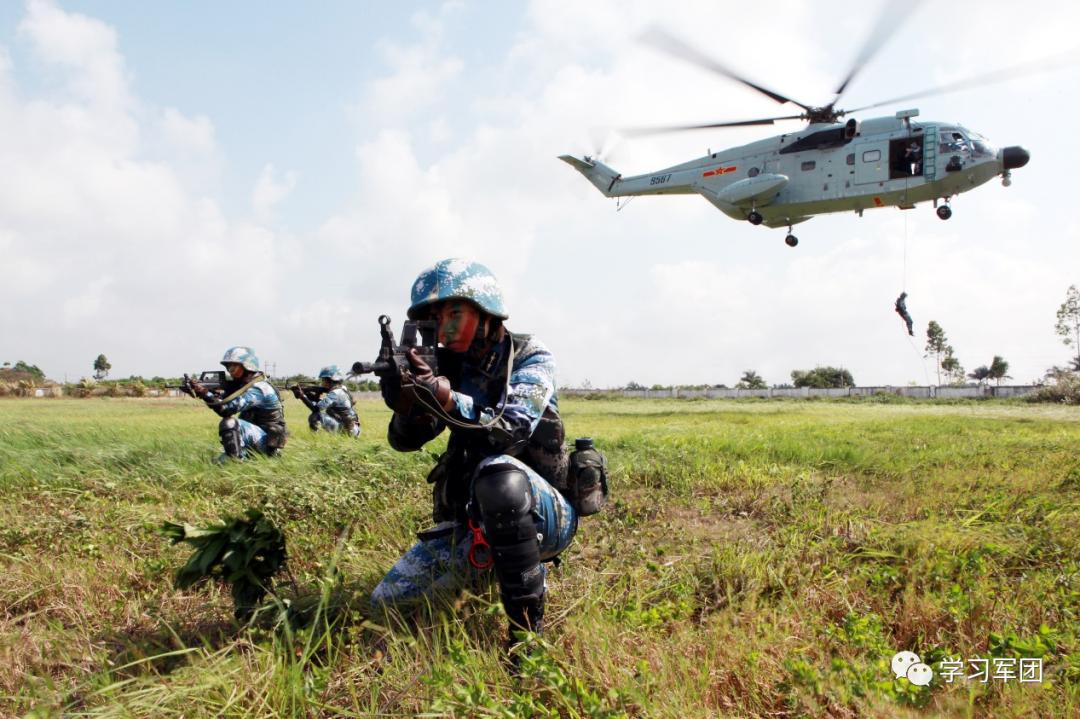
point(421, 335)
point(214, 381)
point(312, 391)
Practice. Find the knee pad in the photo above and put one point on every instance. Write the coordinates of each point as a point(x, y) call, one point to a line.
point(314, 421)
point(229, 429)
point(502, 492)
point(504, 496)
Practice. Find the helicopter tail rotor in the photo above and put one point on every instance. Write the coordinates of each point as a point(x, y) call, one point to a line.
point(604, 144)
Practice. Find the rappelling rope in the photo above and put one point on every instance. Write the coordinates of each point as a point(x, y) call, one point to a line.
point(903, 286)
point(904, 289)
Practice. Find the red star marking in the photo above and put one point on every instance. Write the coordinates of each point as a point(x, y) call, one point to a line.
point(720, 171)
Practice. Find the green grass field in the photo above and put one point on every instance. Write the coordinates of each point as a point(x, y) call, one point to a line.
point(761, 558)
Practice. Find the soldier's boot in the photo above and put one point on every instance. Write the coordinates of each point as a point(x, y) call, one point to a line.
point(505, 500)
point(314, 421)
point(231, 441)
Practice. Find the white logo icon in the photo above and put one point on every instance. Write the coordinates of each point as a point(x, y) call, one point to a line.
point(908, 665)
point(920, 674)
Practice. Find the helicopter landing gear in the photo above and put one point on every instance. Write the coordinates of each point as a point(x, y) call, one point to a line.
point(791, 240)
point(1006, 179)
point(944, 212)
point(755, 218)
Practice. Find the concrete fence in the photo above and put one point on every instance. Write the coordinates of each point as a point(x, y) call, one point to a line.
point(915, 392)
point(674, 393)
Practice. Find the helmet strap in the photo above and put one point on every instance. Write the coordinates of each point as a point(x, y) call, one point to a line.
point(485, 336)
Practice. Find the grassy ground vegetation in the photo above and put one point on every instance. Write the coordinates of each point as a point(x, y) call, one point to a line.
point(760, 558)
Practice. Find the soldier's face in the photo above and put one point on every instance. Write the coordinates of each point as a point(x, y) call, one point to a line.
point(235, 370)
point(457, 324)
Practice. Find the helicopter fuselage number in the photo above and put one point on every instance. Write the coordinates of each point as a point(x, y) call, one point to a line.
point(659, 179)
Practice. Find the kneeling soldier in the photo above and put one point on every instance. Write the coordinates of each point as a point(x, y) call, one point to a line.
point(495, 487)
point(335, 411)
point(261, 423)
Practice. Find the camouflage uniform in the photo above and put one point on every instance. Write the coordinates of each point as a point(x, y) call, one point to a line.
point(528, 443)
point(261, 423)
point(335, 411)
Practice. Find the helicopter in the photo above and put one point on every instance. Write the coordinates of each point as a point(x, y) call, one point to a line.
point(830, 166)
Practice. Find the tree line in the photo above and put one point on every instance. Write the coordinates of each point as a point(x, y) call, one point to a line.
point(937, 348)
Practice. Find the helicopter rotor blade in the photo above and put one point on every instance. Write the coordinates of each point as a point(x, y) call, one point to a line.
point(890, 19)
point(607, 144)
point(681, 128)
point(1032, 68)
point(660, 40)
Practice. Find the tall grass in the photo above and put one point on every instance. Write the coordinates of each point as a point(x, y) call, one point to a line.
point(760, 558)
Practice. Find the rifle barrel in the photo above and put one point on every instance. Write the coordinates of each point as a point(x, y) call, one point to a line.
point(376, 367)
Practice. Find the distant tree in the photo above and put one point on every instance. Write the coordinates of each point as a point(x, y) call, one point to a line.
point(998, 370)
point(101, 368)
point(937, 346)
point(634, 386)
point(783, 385)
point(32, 369)
point(954, 371)
point(822, 378)
point(1068, 322)
point(980, 374)
point(719, 386)
point(751, 380)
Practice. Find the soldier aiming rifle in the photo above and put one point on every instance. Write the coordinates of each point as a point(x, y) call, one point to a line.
point(330, 403)
point(501, 496)
point(260, 426)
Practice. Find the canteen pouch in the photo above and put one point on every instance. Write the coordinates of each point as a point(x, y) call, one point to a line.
point(587, 479)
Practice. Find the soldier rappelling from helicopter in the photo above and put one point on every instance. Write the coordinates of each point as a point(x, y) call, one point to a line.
point(901, 309)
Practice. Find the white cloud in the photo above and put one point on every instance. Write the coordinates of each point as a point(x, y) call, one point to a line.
point(270, 190)
point(111, 212)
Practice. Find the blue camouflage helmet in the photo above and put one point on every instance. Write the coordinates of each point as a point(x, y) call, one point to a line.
point(456, 278)
point(330, 372)
point(243, 356)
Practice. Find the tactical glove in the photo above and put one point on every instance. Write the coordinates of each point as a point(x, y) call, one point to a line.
point(199, 390)
point(390, 386)
point(424, 377)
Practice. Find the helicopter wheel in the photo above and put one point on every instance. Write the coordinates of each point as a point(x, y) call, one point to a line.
point(755, 218)
point(944, 212)
point(791, 240)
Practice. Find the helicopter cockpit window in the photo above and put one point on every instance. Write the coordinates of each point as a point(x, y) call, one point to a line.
point(752, 172)
point(980, 146)
point(871, 156)
point(809, 165)
point(952, 140)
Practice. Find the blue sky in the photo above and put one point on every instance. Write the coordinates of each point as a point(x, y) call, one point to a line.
point(183, 177)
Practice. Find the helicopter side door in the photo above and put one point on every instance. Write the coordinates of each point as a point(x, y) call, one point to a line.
point(871, 162)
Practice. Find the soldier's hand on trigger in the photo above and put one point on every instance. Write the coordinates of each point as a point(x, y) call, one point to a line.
point(390, 387)
point(423, 375)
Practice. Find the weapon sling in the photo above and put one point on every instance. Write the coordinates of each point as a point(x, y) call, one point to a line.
point(433, 405)
point(257, 378)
